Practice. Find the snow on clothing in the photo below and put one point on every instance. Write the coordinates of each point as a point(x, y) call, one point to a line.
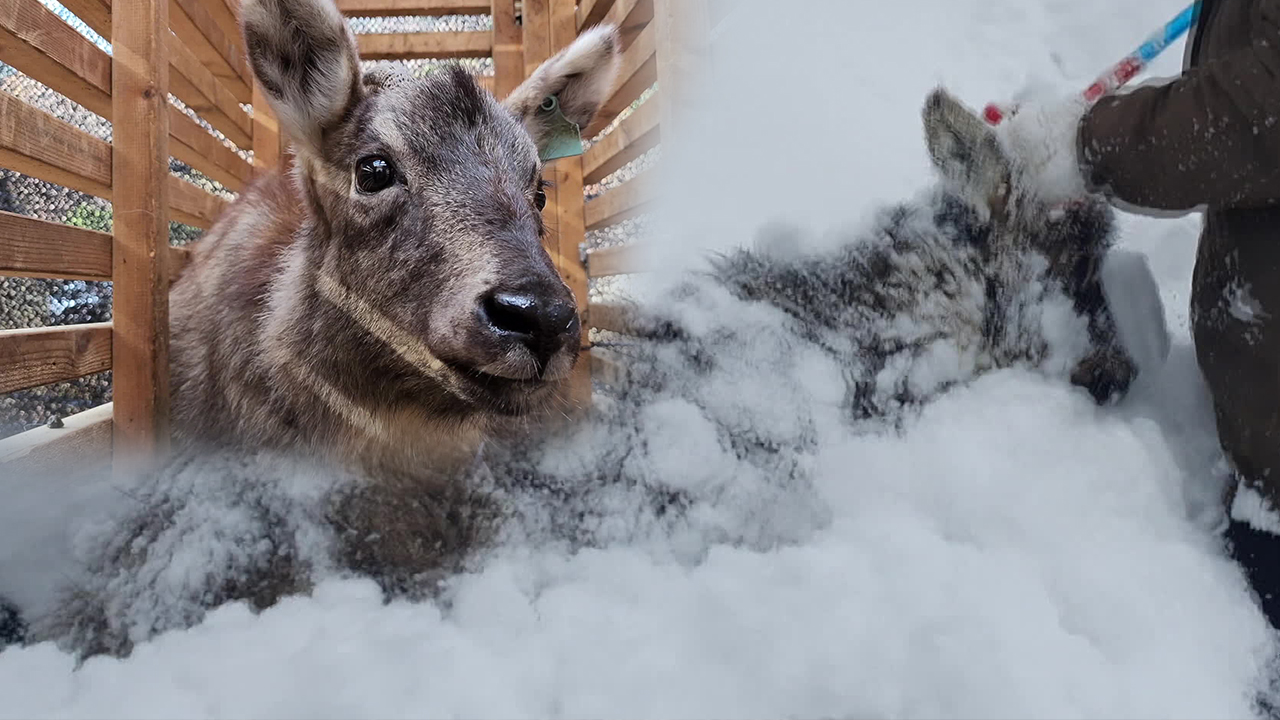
point(1212, 138)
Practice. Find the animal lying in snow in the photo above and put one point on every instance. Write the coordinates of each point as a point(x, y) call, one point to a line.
point(728, 393)
point(738, 371)
point(380, 310)
point(969, 272)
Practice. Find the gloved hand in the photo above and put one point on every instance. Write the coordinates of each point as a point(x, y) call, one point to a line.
point(1039, 136)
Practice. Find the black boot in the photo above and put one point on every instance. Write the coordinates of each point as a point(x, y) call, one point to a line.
point(1258, 552)
point(13, 630)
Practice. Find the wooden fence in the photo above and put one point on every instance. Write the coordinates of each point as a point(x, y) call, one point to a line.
point(193, 50)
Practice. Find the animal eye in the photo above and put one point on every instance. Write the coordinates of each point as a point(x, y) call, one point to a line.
point(540, 199)
point(374, 173)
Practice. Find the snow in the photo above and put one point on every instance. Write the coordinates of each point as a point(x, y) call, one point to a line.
point(1015, 552)
point(1242, 305)
point(1249, 506)
point(1042, 133)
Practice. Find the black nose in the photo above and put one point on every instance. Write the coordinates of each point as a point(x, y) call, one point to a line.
point(542, 325)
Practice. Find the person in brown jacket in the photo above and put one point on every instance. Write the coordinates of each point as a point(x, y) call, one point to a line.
point(1209, 139)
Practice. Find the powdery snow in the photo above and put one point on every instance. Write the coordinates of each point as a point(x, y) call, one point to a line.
point(1015, 552)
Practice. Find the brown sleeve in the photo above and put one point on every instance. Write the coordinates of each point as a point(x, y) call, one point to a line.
point(1211, 137)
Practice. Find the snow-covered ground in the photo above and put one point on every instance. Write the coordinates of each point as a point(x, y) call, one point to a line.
point(1017, 552)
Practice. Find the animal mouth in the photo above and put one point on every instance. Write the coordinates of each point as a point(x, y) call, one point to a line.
point(511, 396)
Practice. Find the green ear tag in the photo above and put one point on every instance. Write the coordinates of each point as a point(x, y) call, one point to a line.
point(564, 138)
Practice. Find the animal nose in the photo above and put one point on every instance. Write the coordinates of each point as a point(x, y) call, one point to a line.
point(541, 324)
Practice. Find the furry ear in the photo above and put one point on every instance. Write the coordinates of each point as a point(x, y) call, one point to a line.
point(581, 76)
point(305, 57)
point(966, 151)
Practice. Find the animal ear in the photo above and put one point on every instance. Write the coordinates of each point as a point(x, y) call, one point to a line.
point(580, 77)
point(966, 151)
point(305, 57)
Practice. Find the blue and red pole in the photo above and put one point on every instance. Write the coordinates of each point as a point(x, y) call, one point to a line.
point(1125, 70)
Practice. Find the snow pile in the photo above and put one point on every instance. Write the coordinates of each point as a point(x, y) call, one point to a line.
point(1018, 553)
point(1015, 551)
point(757, 366)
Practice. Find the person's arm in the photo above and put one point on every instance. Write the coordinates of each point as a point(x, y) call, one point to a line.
point(1211, 137)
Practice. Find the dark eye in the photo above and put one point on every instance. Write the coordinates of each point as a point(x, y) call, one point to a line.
point(374, 173)
point(540, 199)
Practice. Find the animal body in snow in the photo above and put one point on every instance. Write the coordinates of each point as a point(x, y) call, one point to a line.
point(732, 374)
point(729, 389)
point(378, 312)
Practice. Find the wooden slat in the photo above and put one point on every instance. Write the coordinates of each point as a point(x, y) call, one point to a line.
point(612, 317)
point(37, 248)
point(591, 12)
point(40, 44)
point(201, 25)
point(41, 249)
point(633, 137)
point(142, 185)
point(192, 205)
point(508, 49)
point(630, 17)
point(382, 8)
point(410, 46)
point(621, 203)
point(94, 13)
point(82, 443)
point(36, 143)
point(617, 260)
point(219, 51)
point(638, 72)
point(193, 145)
point(31, 358)
point(225, 14)
point(208, 95)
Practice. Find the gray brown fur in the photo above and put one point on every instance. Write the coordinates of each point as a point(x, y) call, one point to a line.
point(255, 338)
point(376, 334)
point(751, 357)
point(972, 267)
point(254, 528)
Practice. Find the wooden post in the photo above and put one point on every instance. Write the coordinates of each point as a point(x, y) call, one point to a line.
point(570, 210)
point(508, 50)
point(140, 202)
point(537, 34)
point(537, 48)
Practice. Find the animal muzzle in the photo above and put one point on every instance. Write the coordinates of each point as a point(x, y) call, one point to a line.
point(536, 328)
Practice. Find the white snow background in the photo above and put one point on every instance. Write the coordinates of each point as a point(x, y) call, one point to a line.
point(1017, 552)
